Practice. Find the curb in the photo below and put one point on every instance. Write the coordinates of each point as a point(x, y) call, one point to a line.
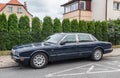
point(8, 67)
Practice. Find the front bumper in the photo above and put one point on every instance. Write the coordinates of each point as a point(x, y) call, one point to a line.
point(20, 60)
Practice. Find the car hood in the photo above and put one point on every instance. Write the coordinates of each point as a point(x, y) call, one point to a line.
point(29, 47)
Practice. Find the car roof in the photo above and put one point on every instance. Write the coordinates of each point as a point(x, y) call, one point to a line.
point(74, 33)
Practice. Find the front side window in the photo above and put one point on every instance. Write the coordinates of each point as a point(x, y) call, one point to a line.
point(82, 5)
point(19, 10)
point(84, 38)
point(70, 39)
point(10, 9)
point(54, 38)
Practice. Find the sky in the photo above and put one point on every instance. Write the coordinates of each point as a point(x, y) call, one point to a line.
point(42, 8)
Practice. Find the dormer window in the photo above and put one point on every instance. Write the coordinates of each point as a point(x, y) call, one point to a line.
point(19, 10)
point(10, 9)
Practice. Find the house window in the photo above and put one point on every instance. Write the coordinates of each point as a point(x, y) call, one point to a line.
point(67, 9)
point(10, 9)
point(71, 7)
point(74, 6)
point(19, 10)
point(82, 5)
point(116, 6)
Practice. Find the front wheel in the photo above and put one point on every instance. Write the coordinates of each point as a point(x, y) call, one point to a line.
point(39, 60)
point(97, 55)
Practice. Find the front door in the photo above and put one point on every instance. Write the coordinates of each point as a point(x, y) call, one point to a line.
point(68, 49)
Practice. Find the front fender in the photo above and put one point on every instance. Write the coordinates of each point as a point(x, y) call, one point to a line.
point(39, 51)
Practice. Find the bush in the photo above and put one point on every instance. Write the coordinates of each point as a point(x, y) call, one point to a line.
point(74, 26)
point(83, 28)
point(66, 25)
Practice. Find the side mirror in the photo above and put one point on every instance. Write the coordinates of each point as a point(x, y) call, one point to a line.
point(62, 43)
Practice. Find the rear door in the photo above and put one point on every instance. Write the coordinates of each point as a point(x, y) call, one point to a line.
point(85, 45)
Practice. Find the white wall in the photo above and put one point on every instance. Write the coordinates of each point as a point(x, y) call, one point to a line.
point(112, 14)
point(98, 9)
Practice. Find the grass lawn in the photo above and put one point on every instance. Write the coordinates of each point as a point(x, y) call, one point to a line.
point(4, 53)
point(116, 46)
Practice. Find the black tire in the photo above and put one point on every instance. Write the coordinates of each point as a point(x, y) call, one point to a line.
point(36, 60)
point(97, 55)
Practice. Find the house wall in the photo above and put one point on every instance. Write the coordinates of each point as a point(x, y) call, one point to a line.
point(112, 14)
point(24, 12)
point(99, 8)
point(83, 15)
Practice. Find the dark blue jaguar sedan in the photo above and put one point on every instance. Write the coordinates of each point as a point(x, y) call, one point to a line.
point(61, 46)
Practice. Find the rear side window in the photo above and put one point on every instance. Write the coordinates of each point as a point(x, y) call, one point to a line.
point(70, 39)
point(84, 38)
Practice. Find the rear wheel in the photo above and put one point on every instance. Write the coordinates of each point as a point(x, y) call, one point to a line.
point(97, 55)
point(39, 60)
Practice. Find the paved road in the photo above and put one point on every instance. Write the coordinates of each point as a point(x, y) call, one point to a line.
point(109, 67)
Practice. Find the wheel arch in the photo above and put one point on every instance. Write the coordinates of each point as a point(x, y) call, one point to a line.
point(40, 51)
point(99, 47)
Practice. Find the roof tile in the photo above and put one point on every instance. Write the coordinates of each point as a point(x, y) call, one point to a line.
point(2, 6)
point(14, 2)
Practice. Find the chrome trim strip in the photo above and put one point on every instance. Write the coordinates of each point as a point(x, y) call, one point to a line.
point(71, 53)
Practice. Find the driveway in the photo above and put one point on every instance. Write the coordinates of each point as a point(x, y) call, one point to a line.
point(109, 67)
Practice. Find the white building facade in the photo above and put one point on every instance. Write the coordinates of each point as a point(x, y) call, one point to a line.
point(93, 10)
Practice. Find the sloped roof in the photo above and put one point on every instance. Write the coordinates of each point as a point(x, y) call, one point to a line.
point(2, 6)
point(14, 2)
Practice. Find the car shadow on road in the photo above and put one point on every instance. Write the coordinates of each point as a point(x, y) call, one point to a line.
point(67, 62)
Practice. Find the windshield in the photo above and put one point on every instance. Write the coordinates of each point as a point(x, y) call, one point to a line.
point(54, 38)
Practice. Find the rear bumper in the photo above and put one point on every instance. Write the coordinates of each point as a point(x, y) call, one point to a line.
point(108, 50)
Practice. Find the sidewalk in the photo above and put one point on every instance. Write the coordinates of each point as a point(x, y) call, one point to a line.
point(6, 61)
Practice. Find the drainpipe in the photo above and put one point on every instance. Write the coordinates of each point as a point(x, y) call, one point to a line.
point(79, 9)
point(106, 8)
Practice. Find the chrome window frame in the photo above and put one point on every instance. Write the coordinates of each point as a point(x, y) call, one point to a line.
point(66, 36)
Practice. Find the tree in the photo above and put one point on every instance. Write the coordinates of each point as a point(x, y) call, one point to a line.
point(83, 28)
point(24, 28)
point(12, 23)
point(47, 27)
point(104, 30)
point(57, 26)
point(74, 26)
point(3, 23)
point(36, 29)
point(24, 24)
point(66, 25)
point(3, 32)
point(91, 27)
point(98, 31)
point(114, 32)
point(13, 31)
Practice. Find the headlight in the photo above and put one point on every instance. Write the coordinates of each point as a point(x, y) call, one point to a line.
point(15, 53)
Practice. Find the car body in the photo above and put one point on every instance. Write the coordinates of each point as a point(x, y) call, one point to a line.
point(61, 46)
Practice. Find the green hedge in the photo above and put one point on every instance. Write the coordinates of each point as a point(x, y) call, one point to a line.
point(15, 32)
